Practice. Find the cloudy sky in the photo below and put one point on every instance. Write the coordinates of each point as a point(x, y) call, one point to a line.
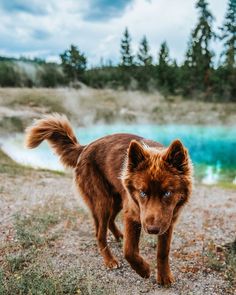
point(46, 28)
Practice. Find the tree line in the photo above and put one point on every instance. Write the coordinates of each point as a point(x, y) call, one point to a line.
point(197, 77)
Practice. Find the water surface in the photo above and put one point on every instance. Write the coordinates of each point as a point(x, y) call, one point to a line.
point(212, 149)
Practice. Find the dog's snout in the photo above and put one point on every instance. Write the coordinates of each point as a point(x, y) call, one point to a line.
point(152, 229)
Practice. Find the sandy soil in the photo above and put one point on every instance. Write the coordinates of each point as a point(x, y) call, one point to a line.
point(207, 221)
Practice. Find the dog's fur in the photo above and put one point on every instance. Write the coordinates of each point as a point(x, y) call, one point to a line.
point(152, 183)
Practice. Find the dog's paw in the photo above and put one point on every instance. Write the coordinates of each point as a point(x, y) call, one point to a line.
point(165, 279)
point(112, 263)
point(143, 270)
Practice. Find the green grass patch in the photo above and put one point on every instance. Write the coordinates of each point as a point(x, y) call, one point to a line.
point(27, 267)
point(7, 165)
point(31, 230)
point(10, 167)
point(18, 261)
point(28, 261)
point(37, 229)
point(226, 176)
point(227, 185)
point(55, 172)
point(39, 280)
point(223, 259)
point(214, 260)
point(2, 288)
point(230, 253)
point(33, 280)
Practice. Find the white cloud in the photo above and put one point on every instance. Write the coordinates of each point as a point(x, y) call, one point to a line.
point(63, 24)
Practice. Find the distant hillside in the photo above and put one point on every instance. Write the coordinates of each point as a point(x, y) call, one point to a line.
point(24, 72)
point(24, 59)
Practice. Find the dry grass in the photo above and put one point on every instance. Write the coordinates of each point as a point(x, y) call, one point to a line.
point(89, 106)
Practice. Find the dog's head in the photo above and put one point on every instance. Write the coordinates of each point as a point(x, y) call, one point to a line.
point(159, 182)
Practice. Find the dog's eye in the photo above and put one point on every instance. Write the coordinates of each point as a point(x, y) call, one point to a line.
point(142, 194)
point(167, 194)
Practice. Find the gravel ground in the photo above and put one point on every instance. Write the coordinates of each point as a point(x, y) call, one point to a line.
point(207, 221)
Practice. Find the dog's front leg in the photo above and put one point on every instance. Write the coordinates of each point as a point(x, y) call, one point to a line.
point(164, 276)
point(131, 247)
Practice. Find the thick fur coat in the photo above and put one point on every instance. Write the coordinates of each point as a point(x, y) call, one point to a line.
point(149, 181)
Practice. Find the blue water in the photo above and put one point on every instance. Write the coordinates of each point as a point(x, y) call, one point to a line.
point(207, 145)
point(212, 149)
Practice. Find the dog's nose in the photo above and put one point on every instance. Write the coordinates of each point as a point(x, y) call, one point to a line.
point(152, 229)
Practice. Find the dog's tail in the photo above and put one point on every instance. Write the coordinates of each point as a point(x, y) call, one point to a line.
point(56, 129)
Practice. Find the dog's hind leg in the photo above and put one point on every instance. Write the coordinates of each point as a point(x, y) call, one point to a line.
point(102, 213)
point(117, 206)
point(98, 198)
point(103, 221)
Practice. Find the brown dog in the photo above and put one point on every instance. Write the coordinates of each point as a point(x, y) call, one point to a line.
point(151, 183)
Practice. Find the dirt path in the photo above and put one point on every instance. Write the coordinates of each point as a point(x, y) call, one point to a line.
point(197, 258)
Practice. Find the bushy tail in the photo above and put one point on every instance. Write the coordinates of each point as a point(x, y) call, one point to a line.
point(56, 129)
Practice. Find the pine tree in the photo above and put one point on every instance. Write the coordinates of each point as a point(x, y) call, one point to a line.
point(199, 57)
point(228, 35)
point(163, 65)
point(73, 63)
point(226, 74)
point(163, 57)
point(125, 50)
point(143, 56)
point(167, 70)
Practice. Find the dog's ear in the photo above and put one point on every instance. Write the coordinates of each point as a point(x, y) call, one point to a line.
point(177, 156)
point(136, 154)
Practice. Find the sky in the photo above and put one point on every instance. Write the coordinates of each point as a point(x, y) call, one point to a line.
point(36, 28)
